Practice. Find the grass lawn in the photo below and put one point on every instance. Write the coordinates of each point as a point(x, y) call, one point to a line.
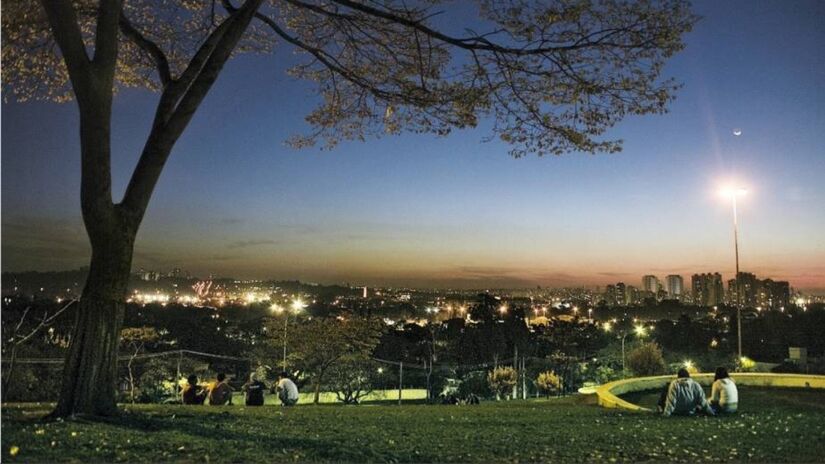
point(773, 425)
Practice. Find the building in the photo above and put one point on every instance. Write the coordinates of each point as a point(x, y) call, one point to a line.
point(773, 294)
point(616, 295)
point(707, 289)
point(745, 291)
point(635, 296)
point(675, 286)
point(650, 284)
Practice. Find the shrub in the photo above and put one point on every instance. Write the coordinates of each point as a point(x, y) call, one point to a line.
point(646, 360)
point(746, 364)
point(474, 383)
point(603, 374)
point(502, 380)
point(548, 383)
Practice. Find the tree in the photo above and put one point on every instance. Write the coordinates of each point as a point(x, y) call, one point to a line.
point(502, 380)
point(646, 360)
point(135, 338)
point(548, 382)
point(17, 337)
point(317, 345)
point(352, 380)
point(553, 77)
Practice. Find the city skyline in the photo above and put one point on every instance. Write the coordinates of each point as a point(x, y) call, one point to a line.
point(427, 211)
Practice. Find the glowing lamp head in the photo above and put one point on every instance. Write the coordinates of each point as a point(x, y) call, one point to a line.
point(298, 304)
point(640, 330)
point(730, 192)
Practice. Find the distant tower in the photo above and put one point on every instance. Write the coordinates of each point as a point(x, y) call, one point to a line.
point(650, 283)
point(675, 286)
point(365, 292)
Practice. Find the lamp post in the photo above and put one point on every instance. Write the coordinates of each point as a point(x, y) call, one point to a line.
point(296, 306)
point(733, 193)
point(638, 330)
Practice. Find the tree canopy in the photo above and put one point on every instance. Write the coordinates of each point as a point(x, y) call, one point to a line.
point(554, 76)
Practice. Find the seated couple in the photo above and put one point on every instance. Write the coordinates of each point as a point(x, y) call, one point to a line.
point(685, 397)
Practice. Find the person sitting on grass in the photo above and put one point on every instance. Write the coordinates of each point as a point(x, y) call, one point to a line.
point(685, 397)
point(192, 392)
point(723, 392)
point(286, 389)
point(254, 391)
point(220, 393)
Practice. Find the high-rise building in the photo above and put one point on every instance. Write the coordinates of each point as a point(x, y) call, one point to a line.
point(650, 284)
point(707, 289)
point(773, 294)
point(746, 289)
point(621, 294)
point(675, 286)
point(616, 295)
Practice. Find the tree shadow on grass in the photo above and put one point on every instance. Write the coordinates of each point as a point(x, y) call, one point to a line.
point(224, 430)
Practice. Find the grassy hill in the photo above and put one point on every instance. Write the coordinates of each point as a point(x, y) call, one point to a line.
point(773, 426)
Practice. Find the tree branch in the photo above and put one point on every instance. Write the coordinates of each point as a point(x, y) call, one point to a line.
point(177, 106)
point(476, 42)
point(66, 31)
point(148, 46)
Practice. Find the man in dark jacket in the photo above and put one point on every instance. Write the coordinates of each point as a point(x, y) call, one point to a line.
point(254, 391)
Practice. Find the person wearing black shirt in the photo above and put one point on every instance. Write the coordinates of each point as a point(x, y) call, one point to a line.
point(254, 391)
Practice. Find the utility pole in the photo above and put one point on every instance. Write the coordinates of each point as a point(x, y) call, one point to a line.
point(400, 380)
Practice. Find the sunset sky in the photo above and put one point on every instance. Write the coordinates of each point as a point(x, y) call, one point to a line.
point(414, 210)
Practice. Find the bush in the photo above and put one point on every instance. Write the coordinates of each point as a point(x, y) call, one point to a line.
point(502, 380)
point(602, 374)
point(475, 383)
point(646, 360)
point(549, 383)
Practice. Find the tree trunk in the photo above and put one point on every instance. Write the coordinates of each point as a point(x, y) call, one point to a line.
point(317, 391)
point(90, 370)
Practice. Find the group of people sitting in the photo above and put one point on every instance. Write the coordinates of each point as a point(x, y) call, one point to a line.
point(685, 397)
point(219, 392)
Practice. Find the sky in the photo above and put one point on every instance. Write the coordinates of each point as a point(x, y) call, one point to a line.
point(419, 210)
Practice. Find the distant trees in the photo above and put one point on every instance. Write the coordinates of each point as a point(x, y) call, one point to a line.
point(318, 345)
point(646, 360)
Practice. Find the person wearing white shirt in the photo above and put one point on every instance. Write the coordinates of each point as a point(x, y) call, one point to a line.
point(287, 390)
point(723, 393)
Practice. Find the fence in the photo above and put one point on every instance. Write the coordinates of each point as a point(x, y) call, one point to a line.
point(158, 377)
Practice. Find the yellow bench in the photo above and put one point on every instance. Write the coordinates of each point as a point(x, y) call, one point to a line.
point(608, 394)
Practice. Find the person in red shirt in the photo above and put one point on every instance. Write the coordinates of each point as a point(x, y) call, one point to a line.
point(192, 392)
point(220, 393)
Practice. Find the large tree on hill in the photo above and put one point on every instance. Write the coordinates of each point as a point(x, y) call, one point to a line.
point(552, 75)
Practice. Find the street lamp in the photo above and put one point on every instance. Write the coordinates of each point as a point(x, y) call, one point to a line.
point(639, 330)
point(733, 193)
point(296, 306)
